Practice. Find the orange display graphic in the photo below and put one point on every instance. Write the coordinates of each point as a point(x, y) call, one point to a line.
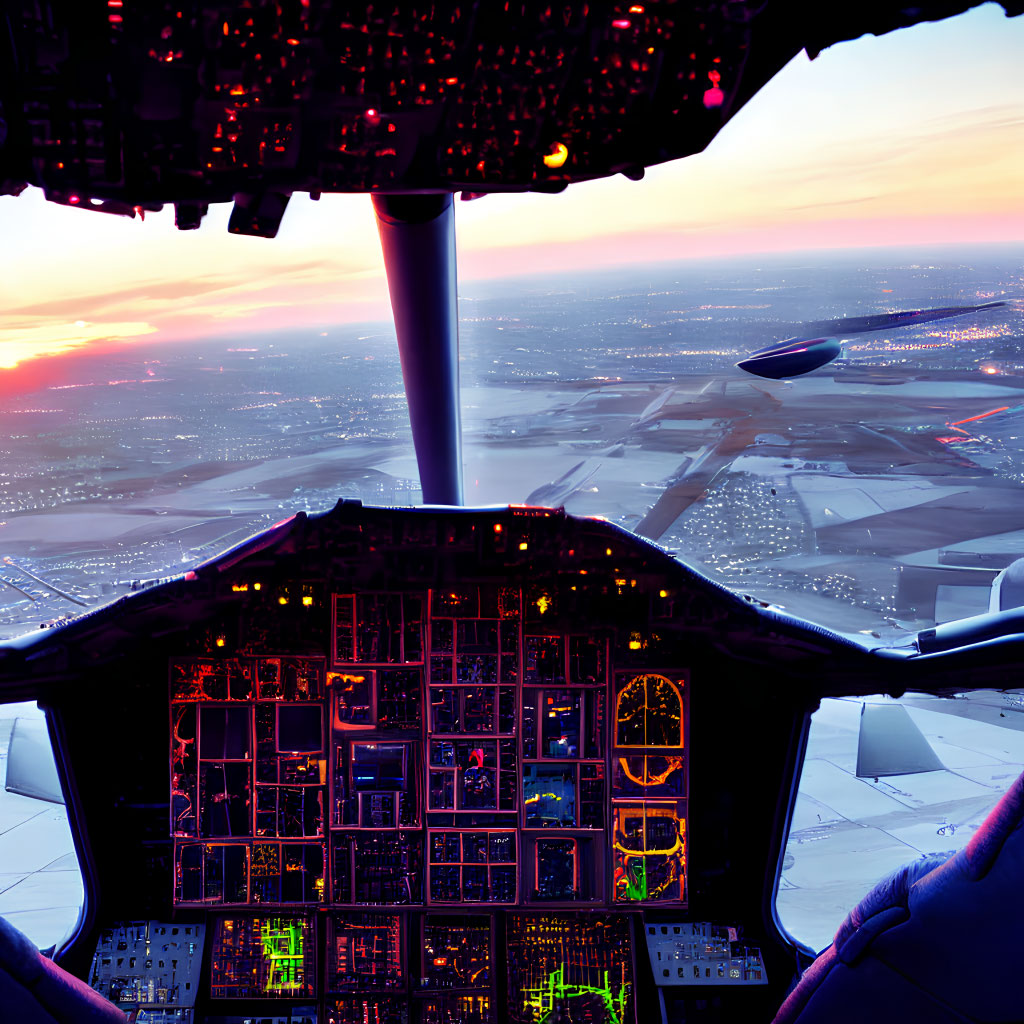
point(649, 713)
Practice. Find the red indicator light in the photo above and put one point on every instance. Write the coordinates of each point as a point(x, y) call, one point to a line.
point(714, 97)
point(74, 200)
point(621, 23)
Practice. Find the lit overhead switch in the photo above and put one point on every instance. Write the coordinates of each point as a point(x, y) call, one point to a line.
point(556, 155)
point(714, 97)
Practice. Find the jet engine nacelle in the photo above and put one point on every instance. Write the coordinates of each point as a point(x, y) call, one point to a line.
point(792, 357)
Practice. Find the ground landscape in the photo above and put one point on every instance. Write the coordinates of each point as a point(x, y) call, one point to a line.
point(877, 496)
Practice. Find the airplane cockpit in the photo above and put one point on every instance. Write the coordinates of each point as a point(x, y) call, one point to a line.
point(431, 762)
point(444, 764)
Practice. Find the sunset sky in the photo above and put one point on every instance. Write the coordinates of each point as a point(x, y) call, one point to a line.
point(913, 138)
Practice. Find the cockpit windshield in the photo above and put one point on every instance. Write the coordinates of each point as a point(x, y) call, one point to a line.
point(851, 238)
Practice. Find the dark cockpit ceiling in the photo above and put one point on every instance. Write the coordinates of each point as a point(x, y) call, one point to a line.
point(121, 107)
point(424, 647)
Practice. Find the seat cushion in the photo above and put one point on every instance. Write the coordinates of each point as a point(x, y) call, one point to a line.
point(939, 940)
point(35, 990)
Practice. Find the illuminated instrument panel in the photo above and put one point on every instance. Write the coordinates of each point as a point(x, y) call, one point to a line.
point(443, 751)
point(702, 954)
point(333, 780)
point(424, 767)
point(455, 747)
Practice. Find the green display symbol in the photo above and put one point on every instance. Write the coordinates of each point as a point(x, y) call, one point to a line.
point(555, 991)
point(636, 880)
point(283, 944)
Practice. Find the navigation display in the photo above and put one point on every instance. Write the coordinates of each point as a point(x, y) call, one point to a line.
point(263, 956)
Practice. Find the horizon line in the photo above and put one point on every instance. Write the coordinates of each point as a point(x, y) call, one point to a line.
point(105, 346)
